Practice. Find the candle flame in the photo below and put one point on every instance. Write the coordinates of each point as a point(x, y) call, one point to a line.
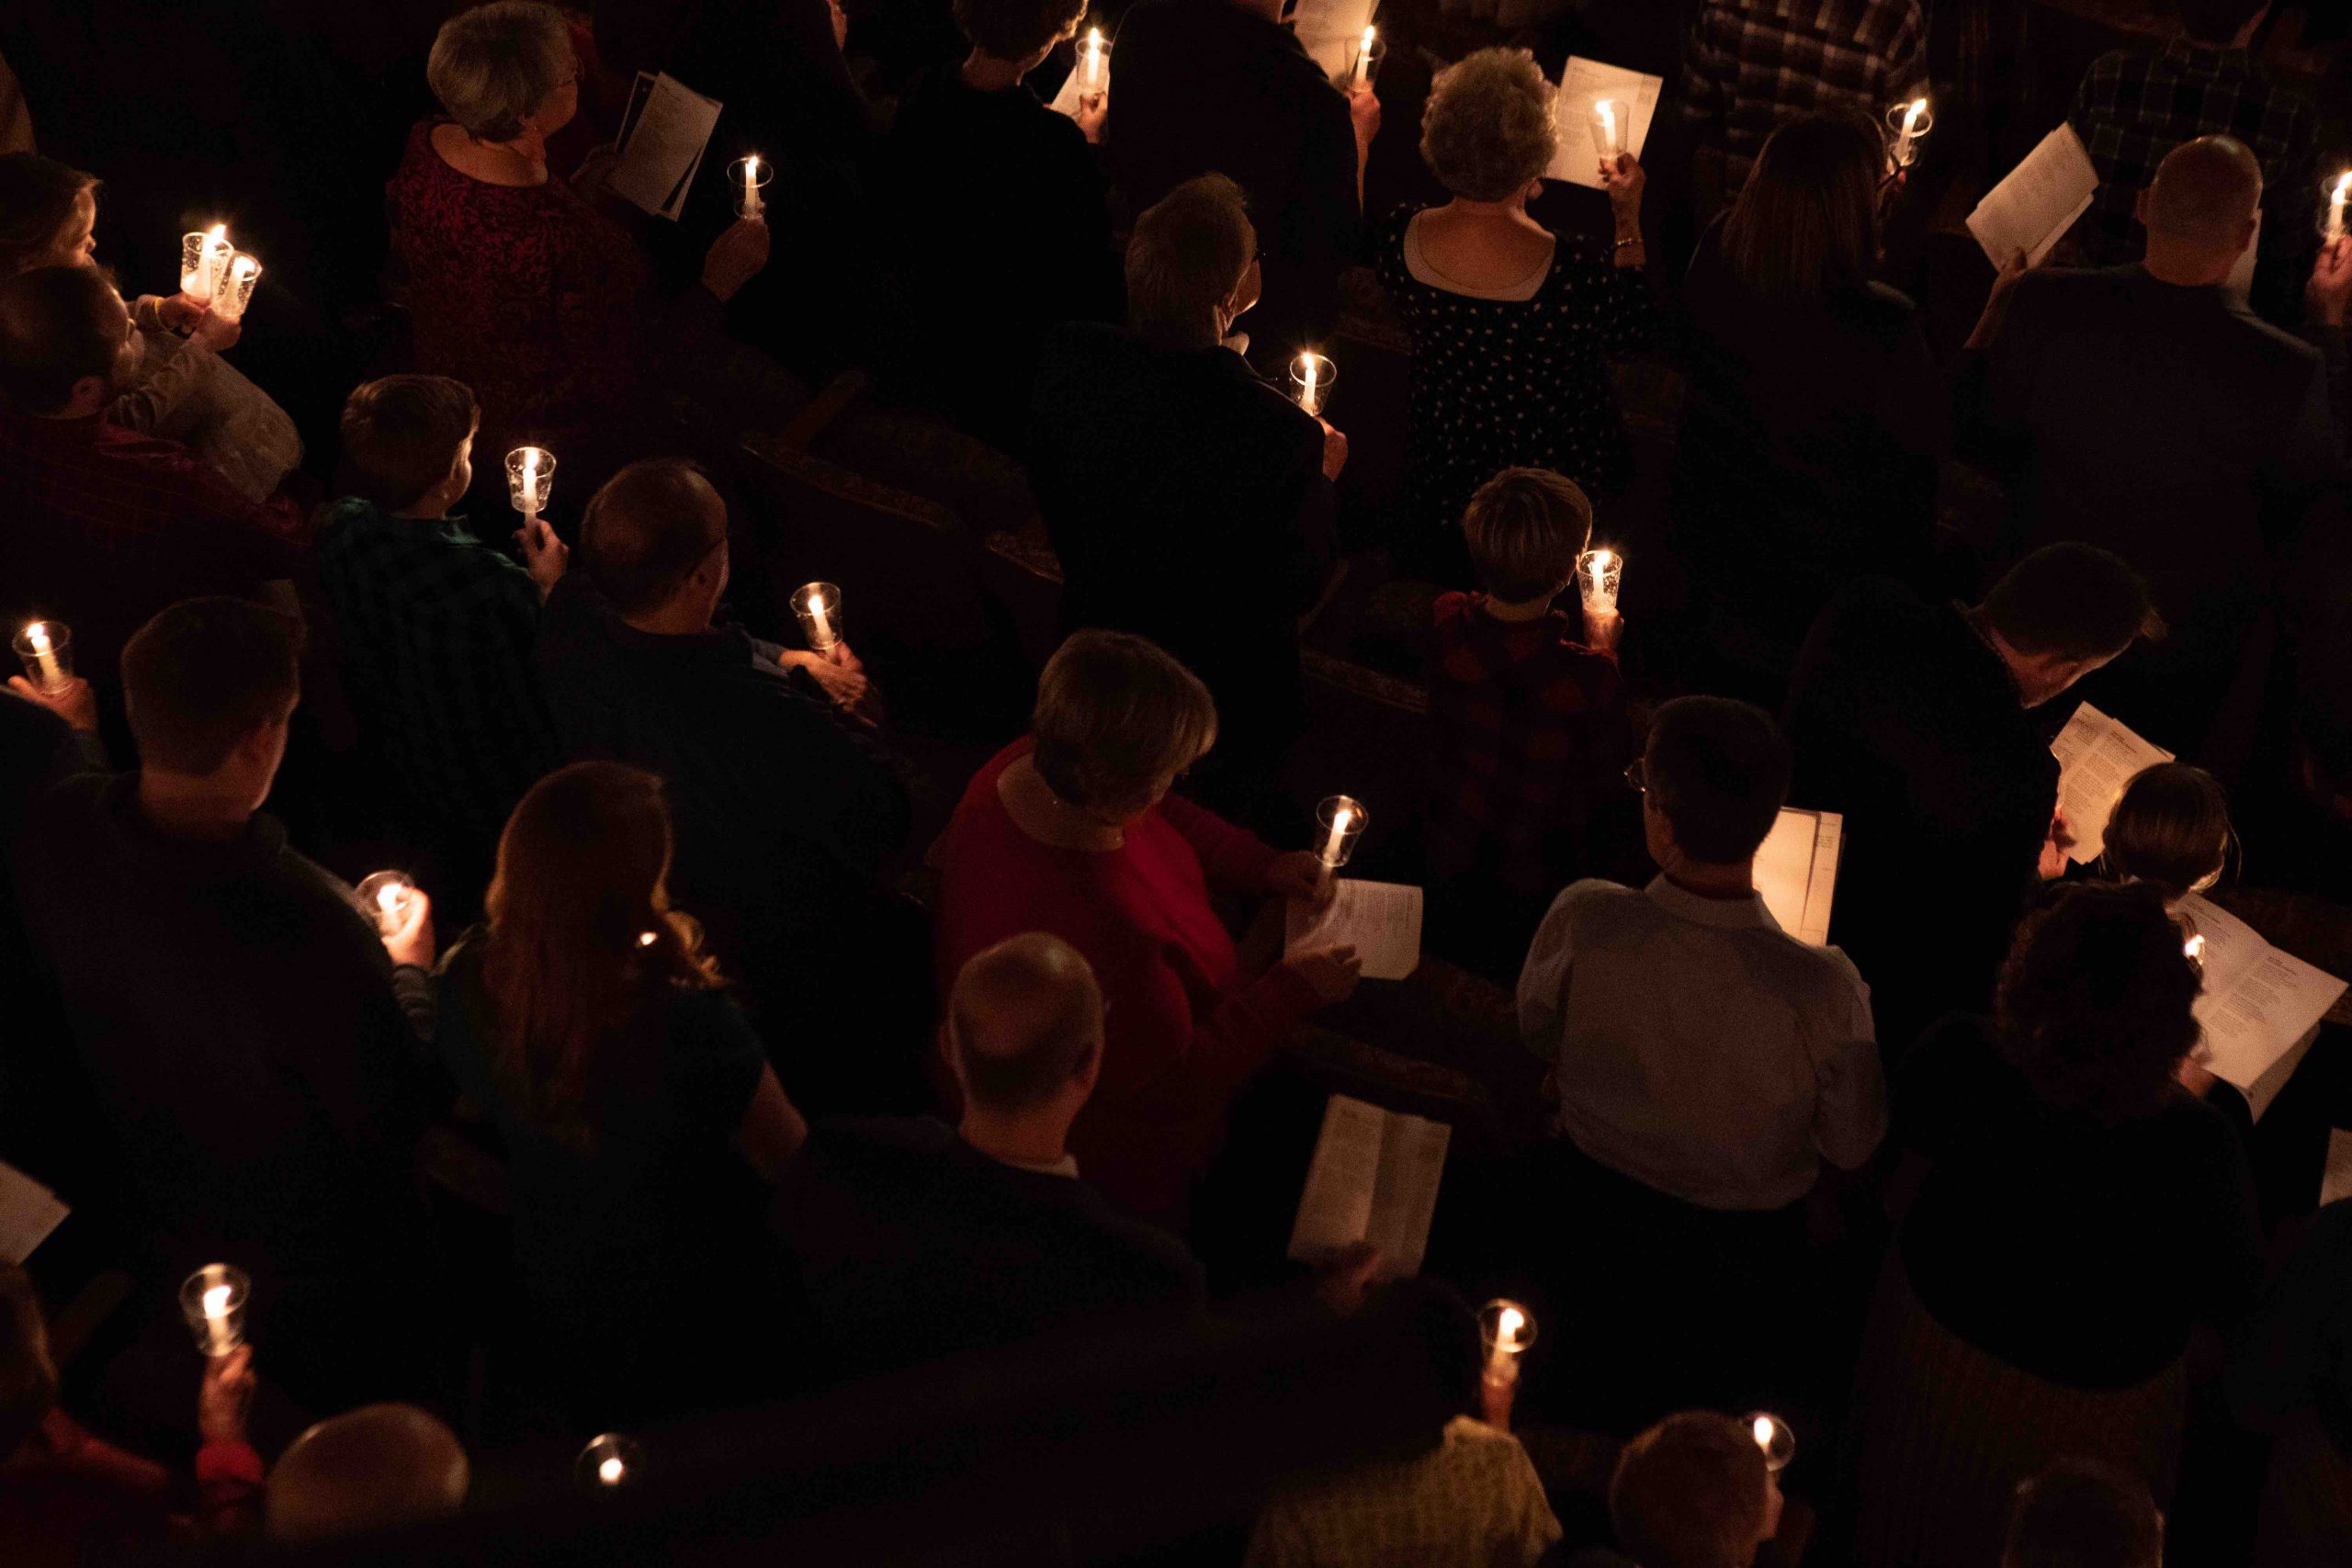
point(530, 464)
point(610, 1471)
point(244, 268)
point(1369, 34)
point(1607, 119)
point(646, 938)
point(1601, 561)
point(37, 634)
point(217, 235)
point(1094, 39)
point(1507, 1324)
point(216, 1301)
point(2194, 948)
point(1341, 817)
point(1766, 1429)
point(2343, 186)
point(1911, 116)
point(816, 604)
point(389, 897)
point(750, 168)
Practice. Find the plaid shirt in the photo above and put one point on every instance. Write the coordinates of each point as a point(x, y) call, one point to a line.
point(2135, 107)
point(1530, 728)
point(1753, 63)
point(438, 630)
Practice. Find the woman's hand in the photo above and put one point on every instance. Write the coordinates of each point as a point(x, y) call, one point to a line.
point(411, 942)
point(1093, 110)
point(2054, 845)
point(1624, 180)
point(735, 258)
point(1331, 972)
point(222, 1399)
point(1300, 875)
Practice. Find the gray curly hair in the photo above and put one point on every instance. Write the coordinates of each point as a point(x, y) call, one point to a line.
point(1488, 131)
point(492, 65)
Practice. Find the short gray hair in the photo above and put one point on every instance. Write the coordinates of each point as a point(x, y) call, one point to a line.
point(1188, 252)
point(1488, 131)
point(492, 65)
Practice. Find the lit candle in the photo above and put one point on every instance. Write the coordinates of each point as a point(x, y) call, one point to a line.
point(1599, 574)
point(204, 262)
point(2194, 949)
point(751, 184)
point(610, 1460)
point(235, 291)
point(530, 478)
point(384, 895)
point(1342, 819)
point(819, 606)
point(2336, 198)
point(609, 1469)
point(1609, 127)
point(1909, 132)
point(1340, 822)
point(216, 1319)
point(47, 673)
point(646, 938)
point(1507, 1330)
point(1363, 57)
point(1773, 1436)
point(1094, 64)
point(214, 1301)
point(820, 630)
point(1311, 375)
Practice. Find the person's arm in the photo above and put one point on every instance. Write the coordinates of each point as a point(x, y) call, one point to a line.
point(2295, 1336)
point(1200, 1064)
point(1992, 375)
point(1234, 859)
point(229, 1472)
point(167, 384)
point(1543, 981)
point(772, 1128)
point(1849, 1086)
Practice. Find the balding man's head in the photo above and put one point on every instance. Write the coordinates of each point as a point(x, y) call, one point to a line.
point(1024, 1023)
point(654, 527)
point(2204, 198)
point(371, 1469)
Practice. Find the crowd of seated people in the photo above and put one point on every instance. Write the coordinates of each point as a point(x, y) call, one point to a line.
point(746, 1033)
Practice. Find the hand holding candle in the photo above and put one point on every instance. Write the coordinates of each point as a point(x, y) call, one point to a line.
point(47, 650)
point(819, 606)
point(1369, 51)
point(530, 478)
point(1311, 375)
point(203, 262)
point(214, 1301)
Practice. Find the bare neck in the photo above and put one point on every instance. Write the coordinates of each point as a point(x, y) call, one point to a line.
point(1016, 1140)
point(180, 806)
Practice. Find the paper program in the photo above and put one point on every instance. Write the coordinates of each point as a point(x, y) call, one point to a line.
point(1576, 159)
point(1375, 1179)
point(2097, 758)
point(1381, 920)
point(2033, 207)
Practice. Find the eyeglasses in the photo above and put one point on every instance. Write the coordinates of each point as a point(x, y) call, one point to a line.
point(1635, 779)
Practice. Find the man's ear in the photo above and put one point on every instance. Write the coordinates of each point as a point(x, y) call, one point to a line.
point(2140, 205)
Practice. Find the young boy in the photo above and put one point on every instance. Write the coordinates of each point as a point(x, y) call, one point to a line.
point(436, 626)
point(1531, 733)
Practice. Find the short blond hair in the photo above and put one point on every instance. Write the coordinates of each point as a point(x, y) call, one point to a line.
point(492, 65)
point(1525, 528)
point(1488, 131)
point(1114, 716)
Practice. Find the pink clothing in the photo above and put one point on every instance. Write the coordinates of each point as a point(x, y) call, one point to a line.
point(1184, 1031)
point(63, 1490)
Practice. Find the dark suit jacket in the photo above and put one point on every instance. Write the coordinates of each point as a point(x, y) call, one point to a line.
point(912, 1245)
point(1187, 502)
point(1902, 719)
point(1204, 86)
point(2173, 428)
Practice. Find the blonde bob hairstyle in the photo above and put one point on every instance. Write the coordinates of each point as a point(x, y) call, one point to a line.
point(1488, 132)
point(1116, 718)
point(492, 65)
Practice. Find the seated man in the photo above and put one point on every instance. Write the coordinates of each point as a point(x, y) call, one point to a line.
point(107, 526)
point(1696, 1046)
point(1912, 719)
point(1190, 503)
point(240, 1021)
point(1222, 86)
point(2137, 104)
point(785, 810)
point(915, 1241)
point(2138, 409)
point(376, 1468)
point(2084, 1514)
point(437, 626)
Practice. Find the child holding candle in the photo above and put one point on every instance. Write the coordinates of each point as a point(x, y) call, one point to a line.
point(1528, 717)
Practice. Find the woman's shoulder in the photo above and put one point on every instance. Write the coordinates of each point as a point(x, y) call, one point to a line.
point(1389, 235)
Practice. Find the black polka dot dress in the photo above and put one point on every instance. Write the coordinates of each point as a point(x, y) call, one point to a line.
point(1499, 382)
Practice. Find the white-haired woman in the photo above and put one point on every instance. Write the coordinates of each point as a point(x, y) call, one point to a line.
point(514, 284)
point(1509, 327)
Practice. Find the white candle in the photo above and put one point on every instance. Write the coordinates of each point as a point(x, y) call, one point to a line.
point(229, 300)
point(1307, 398)
point(1341, 821)
point(201, 282)
point(47, 673)
point(2336, 201)
point(1910, 128)
point(1599, 572)
point(820, 630)
point(216, 1319)
point(751, 186)
point(1092, 65)
point(1608, 112)
point(1363, 57)
point(531, 480)
point(1502, 1363)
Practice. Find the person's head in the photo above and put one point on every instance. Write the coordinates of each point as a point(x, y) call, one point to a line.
point(2094, 999)
point(410, 441)
point(1805, 224)
point(504, 70)
point(2083, 1512)
point(66, 346)
point(1116, 720)
point(1024, 1032)
point(2202, 211)
point(579, 926)
point(211, 685)
point(1020, 31)
point(28, 1376)
point(375, 1468)
point(48, 213)
point(1693, 1491)
point(1714, 775)
point(2064, 611)
point(1192, 264)
point(2221, 24)
point(1488, 131)
point(2170, 830)
point(654, 541)
point(1525, 528)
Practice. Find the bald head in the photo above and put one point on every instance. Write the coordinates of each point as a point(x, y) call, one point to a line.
point(2204, 197)
point(371, 1469)
point(1025, 1023)
point(652, 527)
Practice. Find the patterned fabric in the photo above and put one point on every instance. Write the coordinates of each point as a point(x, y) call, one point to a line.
point(438, 630)
point(527, 294)
point(1753, 63)
point(1498, 382)
point(1475, 1499)
point(1529, 727)
point(2135, 107)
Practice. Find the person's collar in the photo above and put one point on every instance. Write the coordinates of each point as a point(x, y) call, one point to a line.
point(1065, 1167)
point(1732, 914)
point(263, 838)
point(2209, 55)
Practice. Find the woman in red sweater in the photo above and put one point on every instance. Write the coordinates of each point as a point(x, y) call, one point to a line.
point(1071, 831)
